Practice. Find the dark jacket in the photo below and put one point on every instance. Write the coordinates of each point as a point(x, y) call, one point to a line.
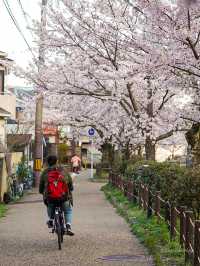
point(44, 177)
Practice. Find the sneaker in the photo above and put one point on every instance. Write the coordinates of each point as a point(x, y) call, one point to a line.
point(68, 230)
point(50, 223)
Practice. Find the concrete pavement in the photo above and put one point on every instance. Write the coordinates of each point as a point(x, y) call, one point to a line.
point(102, 237)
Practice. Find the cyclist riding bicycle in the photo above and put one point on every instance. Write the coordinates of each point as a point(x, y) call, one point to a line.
point(76, 163)
point(53, 183)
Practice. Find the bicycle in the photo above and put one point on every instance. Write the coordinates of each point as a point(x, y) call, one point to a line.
point(58, 225)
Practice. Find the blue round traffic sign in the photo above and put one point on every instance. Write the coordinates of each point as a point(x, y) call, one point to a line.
point(91, 131)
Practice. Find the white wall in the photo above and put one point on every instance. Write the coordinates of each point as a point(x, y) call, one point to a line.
point(8, 102)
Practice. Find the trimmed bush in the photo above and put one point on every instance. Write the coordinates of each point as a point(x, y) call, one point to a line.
point(179, 185)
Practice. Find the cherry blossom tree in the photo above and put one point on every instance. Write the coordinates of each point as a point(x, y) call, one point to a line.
point(121, 66)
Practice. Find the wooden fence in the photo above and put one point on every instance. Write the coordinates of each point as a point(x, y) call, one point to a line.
point(180, 221)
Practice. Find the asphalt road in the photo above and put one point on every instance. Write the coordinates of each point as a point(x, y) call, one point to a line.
point(102, 237)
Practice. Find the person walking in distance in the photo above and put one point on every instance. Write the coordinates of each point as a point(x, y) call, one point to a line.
point(76, 163)
point(57, 186)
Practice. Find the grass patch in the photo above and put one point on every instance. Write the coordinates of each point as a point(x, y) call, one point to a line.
point(3, 210)
point(98, 179)
point(153, 235)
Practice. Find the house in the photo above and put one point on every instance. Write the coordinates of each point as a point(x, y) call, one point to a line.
point(172, 149)
point(3, 153)
point(7, 111)
point(50, 139)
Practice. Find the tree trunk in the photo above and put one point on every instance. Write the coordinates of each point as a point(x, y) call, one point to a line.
point(149, 145)
point(107, 154)
point(139, 151)
point(126, 151)
point(150, 149)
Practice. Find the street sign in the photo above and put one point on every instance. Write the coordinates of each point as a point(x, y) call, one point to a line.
point(91, 132)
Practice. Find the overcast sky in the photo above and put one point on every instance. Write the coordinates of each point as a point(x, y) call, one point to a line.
point(11, 41)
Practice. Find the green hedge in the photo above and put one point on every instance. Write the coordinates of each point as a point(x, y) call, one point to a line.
point(179, 185)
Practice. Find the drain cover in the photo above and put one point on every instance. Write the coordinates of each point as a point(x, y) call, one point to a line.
point(138, 258)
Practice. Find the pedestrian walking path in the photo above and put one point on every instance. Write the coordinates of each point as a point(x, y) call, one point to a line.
point(102, 237)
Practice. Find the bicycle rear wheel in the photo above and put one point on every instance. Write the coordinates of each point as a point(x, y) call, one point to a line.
point(62, 226)
point(59, 232)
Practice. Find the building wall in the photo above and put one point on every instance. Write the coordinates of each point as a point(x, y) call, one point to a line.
point(3, 180)
point(163, 153)
point(2, 131)
point(8, 102)
point(16, 158)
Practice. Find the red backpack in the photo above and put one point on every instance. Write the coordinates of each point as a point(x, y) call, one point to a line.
point(57, 189)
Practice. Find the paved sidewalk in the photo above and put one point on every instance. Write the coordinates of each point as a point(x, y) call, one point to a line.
point(100, 232)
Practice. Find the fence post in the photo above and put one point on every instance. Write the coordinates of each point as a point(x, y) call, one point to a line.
point(157, 204)
point(182, 225)
point(134, 193)
point(140, 194)
point(197, 244)
point(130, 191)
point(125, 187)
point(187, 235)
point(172, 222)
point(149, 203)
point(112, 177)
point(120, 183)
point(167, 214)
point(145, 197)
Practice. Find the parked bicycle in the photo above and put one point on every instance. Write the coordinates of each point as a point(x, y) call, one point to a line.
point(14, 187)
point(58, 224)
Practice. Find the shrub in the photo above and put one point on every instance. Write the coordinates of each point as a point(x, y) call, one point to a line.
point(22, 170)
point(179, 185)
point(62, 153)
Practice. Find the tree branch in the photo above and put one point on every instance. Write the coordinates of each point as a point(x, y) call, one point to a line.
point(192, 46)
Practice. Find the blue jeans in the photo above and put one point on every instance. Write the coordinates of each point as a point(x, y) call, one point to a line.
point(67, 208)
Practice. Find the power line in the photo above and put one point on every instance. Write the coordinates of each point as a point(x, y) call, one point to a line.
point(24, 13)
point(6, 4)
point(16, 24)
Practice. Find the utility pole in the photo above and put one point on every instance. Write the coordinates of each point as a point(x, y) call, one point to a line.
point(38, 153)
